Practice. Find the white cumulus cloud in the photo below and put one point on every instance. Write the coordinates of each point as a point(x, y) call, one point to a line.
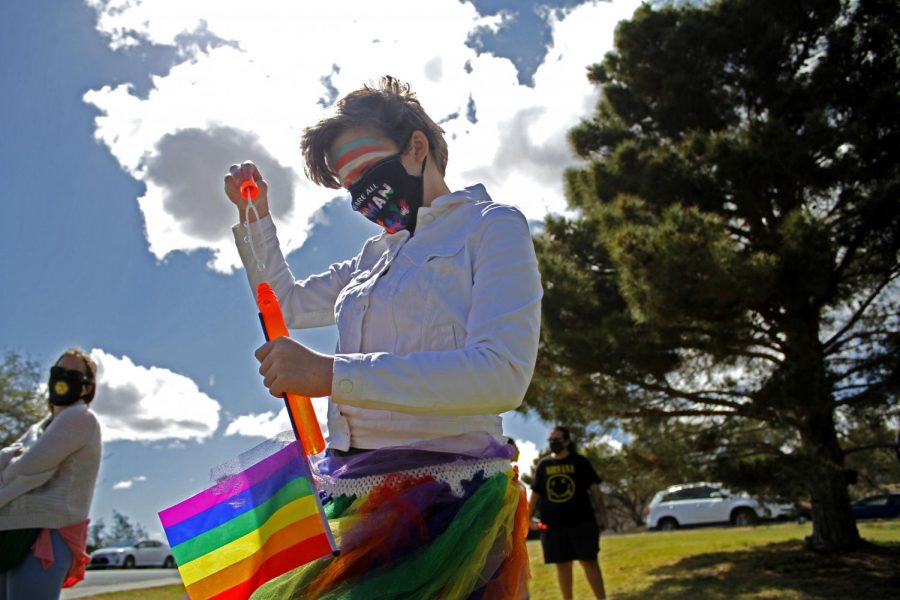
point(149, 404)
point(269, 424)
point(128, 483)
point(250, 79)
point(264, 425)
point(528, 452)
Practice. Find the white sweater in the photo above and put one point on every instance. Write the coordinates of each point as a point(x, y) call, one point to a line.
point(47, 477)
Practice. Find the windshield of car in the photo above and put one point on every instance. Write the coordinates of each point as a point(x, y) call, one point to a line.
point(874, 501)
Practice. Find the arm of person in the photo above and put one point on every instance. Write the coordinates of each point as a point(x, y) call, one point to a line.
point(307, 303)
point(22, 484)
point(304, 303)
point(599, 507)
point(69, 431)
point(533, 501)
point(491, 373)
point(6, 455)
point(9, 453)
point(32, 468)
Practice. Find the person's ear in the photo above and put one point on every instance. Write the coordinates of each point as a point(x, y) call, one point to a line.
point(418, 147)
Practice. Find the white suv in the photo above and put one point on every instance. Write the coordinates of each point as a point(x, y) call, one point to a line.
point(706, 504)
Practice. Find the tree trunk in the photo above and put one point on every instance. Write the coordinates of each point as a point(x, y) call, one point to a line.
point(834, 527)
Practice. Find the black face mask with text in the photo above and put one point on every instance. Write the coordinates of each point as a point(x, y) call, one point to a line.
point(389, 196)
point(66, 385)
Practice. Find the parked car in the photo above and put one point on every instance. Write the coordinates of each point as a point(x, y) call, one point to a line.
point(878, 506)
point(707, 504)
point(130, 554)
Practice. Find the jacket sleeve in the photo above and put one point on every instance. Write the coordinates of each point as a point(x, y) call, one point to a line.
point(491, 373)
point(8, 453)
point(23, 484)
point(68, 431)
point(306, 303)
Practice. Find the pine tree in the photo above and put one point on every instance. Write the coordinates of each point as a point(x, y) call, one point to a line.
point(734, 258)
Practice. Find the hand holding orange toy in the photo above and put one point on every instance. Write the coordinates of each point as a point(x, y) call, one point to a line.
point(243, 184)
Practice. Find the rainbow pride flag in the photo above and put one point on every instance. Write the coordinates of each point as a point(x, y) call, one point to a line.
point(249, 527)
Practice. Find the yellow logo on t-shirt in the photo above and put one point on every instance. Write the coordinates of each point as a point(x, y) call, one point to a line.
point(560, 487)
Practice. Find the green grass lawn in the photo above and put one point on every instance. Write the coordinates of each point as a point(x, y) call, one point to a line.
point(710, 564)
point(735, 563)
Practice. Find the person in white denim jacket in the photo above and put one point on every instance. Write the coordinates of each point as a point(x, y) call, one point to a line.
point(438, 317)
point(438, 331)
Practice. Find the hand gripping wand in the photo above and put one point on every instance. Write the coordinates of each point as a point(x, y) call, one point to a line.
point(249, 190)
point(300, 409)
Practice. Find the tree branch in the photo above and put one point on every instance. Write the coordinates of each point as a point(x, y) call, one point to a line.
point(845, 388)
point(737, 349)
point(694, 397)
point(862, 344)
point(658, 412)
point(774, 344)
point(864, 365)
point(874, 392)
point(887, 445)
point(834, 340)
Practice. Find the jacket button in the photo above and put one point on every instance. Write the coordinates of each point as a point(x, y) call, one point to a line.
point(346, 386)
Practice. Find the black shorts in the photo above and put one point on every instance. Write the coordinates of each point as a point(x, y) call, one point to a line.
point(566, 543)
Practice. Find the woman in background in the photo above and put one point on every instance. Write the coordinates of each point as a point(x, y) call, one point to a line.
point(46, 485)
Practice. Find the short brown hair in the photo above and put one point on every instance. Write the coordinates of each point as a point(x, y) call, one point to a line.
point(89, 365)
point(389, 108)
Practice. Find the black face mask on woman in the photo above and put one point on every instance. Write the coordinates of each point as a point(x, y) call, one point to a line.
point(389, 196)
point(66, 385)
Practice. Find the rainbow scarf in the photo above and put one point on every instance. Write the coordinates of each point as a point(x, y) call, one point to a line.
point(249, 528)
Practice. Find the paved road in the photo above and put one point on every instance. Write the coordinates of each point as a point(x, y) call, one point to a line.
point(114, 580)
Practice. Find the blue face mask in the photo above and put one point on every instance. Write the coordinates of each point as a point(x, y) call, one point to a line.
point(389, 196)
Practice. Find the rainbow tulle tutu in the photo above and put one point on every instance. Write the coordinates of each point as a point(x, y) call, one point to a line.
point(442, 519)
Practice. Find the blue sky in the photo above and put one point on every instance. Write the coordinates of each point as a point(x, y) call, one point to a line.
point(119, 120)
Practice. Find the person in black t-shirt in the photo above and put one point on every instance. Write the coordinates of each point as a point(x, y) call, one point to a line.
point(566, 490)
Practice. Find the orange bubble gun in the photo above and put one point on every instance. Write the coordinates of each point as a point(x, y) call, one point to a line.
point(249, 189)
point(300, 409)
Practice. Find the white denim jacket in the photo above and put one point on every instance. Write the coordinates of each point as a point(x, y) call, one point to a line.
point(437, 333)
